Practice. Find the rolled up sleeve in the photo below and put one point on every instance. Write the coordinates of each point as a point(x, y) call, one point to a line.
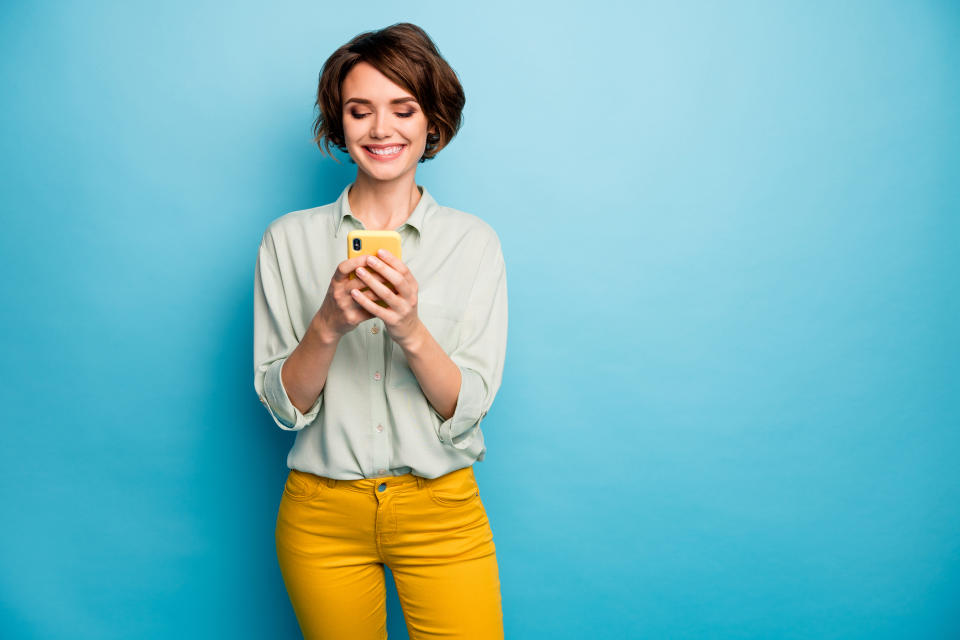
point(273, 342)
point(480, 352)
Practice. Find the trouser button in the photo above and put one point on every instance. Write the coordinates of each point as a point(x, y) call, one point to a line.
point(383, 485)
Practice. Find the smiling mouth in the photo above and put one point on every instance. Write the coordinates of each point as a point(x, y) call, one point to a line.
point(385, 153)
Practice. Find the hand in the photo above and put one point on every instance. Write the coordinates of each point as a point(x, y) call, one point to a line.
point(340, 312)
point(400, 315)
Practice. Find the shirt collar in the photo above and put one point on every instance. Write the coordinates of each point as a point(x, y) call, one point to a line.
point(424, 207)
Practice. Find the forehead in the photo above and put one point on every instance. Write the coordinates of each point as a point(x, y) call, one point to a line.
point(365, 82)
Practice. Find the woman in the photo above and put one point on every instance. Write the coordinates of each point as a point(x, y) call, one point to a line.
point(387, 400)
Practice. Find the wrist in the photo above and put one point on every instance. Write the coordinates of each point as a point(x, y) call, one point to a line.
point(413, 343)
point(322, 333)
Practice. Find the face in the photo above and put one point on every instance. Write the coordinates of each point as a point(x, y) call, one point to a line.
point(384, 128)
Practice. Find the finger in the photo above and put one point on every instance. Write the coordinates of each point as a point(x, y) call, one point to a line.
point(368, 304)
point(360, 286)
point(370, 294)
point(353, 282)
point(388, 273)
point(346, 268)
point(357, 283)
point(379, 288)
point(393, 261)
point(407, 286)
point(362, 314)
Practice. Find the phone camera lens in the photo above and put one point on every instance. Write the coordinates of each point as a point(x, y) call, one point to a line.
point(356, 244)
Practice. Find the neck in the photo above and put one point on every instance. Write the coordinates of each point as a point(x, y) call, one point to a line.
point(382, 204)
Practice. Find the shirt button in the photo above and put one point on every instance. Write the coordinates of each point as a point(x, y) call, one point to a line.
point(379, 427)
point(374, 329)
point(376, 375)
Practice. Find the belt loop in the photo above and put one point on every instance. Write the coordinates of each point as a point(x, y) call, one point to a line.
point(331, 482)
point(420, 482)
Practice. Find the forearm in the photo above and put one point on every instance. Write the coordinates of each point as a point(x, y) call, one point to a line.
point(438, 375)
point(304, 374)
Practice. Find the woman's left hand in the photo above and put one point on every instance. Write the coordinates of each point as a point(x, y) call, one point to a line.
point(400, 316)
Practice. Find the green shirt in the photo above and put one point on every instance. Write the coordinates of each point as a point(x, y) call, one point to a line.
point(372, 418)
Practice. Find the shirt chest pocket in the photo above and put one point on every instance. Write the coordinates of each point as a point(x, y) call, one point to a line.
point(442, 323)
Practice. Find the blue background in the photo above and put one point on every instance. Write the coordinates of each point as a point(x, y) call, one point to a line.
point(730, 401)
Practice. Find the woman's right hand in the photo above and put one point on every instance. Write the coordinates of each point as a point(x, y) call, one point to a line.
point(340, 313)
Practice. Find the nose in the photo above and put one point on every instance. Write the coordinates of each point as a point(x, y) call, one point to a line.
point(378, 126)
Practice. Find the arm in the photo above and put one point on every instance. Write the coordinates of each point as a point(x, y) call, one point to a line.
point(438, 375)
point(479, 356)
point(305, 372)
point(288, 375)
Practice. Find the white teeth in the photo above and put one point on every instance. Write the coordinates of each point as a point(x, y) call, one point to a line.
point(387, 151)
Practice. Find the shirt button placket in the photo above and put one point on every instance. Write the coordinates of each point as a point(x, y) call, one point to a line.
point(375, 358)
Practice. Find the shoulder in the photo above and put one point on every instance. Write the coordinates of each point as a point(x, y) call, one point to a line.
point(295, 224)
point(465, 226)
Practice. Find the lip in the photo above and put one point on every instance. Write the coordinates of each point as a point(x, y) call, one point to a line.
point(382, 158)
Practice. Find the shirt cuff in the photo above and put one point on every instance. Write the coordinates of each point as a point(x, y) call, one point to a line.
point(277, 402)
point(459, 429)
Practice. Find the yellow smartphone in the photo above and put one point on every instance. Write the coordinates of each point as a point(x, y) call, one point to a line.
point(364, 242)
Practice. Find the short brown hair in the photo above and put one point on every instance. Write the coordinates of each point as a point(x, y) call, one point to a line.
point(404, 53)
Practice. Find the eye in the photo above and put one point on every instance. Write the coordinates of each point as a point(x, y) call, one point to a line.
point(360, 116)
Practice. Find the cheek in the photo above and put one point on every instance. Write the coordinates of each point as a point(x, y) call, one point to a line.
point(353, 128)
point(350, 130)
point(417, 129)
point(417, 133)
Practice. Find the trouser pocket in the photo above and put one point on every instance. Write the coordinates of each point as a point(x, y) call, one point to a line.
point(456, 489)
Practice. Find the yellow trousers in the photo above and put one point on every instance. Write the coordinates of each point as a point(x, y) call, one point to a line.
point(334, 536)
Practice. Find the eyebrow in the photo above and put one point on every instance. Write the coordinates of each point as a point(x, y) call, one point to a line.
point(365, 101)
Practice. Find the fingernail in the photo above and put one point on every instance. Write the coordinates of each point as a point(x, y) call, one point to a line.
point(361, 271)
point(382, 252)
